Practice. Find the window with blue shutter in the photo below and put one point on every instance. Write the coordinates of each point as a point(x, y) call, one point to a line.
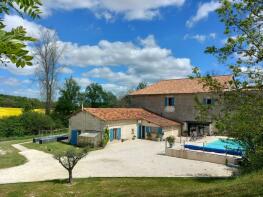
point(173, 101)
point(139, 131)
point(169, 101)
point(160, 130)
point(166, 101)
point(208, 101)
point(111, 135)
point(119, 133)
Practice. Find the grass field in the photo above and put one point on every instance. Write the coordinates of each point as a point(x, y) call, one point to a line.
point(53, 147)
point(6, 111)
point(9, 156)
point(249, 185)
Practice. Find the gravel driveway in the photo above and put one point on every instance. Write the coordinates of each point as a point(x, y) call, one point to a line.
point(138, 158)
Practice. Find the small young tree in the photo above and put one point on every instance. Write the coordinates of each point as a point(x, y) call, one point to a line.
point(69, 159)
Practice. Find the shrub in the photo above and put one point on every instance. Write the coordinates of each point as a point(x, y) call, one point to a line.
point(34, 122)
point(11, 126)
point(29, 123)
point(170, 140)
point(105, 137)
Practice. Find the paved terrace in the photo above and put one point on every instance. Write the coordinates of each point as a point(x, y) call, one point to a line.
point(138, 158)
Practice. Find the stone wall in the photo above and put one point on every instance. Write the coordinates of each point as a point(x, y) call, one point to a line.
point(184, 109)
point(202, 156)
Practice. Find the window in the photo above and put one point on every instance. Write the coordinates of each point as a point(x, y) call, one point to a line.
point(169, 101)
point(208, 101)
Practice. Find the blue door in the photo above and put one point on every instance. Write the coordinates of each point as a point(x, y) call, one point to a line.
point(111, 135)
point(74, 137)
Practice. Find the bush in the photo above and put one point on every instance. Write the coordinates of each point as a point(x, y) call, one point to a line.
point(29, 123)
point(105, 137)
point(11, 126)
point(34, 122)
point(170, 140)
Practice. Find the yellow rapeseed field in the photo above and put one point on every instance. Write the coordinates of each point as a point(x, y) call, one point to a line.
point(7, 111)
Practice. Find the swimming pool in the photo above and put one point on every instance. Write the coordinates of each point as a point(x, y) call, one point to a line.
point(223, 146)
point(226, 144)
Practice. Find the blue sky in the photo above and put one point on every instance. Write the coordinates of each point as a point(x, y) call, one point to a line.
point(119, 43)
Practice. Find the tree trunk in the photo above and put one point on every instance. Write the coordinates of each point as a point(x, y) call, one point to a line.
point(70, 176)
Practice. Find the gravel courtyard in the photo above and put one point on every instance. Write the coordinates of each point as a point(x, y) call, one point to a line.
point(138, 158)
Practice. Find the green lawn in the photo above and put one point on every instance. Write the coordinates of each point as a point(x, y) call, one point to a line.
point(249, 185)
point(11, 157)
point(53, 147)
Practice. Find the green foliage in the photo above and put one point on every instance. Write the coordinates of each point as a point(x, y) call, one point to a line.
point(96, 96)
point(170, 140)
point(33, 122)
point(69, 100)
point(11, 126)
point(19, 102)
point(141, 85)
point(105, 139)
point(11, 157)
point(27, 107)
point(29, 123)
point(13, 43)
point(70, 158)
point(240, 100)
point(243, 27)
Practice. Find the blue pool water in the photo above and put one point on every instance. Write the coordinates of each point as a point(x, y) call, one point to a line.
point(226, 144)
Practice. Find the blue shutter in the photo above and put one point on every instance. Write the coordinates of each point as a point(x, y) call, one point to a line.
point(173, 101)
point(139, 131)
point(111, 134)
point(119, 133)
point(212, 101)
point(166, 101)
point(160, 130)
point(147, 130)
point(204, 101)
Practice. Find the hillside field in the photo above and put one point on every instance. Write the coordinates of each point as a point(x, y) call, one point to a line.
point(7, 111)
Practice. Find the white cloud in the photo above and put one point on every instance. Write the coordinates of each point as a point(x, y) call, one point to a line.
point(33, 29)
point(212, 35)
point(27, 70)
point(144, 60)
point(66, 70)
point(200, 37)
point(11, 81)
point(203, 11)
point(27, 92)
point(83, 82)
point(116, 89)
point(130, 9)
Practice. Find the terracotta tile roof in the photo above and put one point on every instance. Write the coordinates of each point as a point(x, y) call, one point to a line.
point(111, 114)
point(179, 86)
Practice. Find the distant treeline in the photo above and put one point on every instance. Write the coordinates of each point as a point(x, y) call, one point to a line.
point(19, 102)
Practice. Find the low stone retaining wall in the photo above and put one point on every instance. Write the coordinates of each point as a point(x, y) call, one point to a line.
point(202, 156)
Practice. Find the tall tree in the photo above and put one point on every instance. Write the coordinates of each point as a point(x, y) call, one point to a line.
point(141, 85)
point(13, 43)
point(96, 96)
point(241, 98)
point(47, 53)
point(69, 100)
